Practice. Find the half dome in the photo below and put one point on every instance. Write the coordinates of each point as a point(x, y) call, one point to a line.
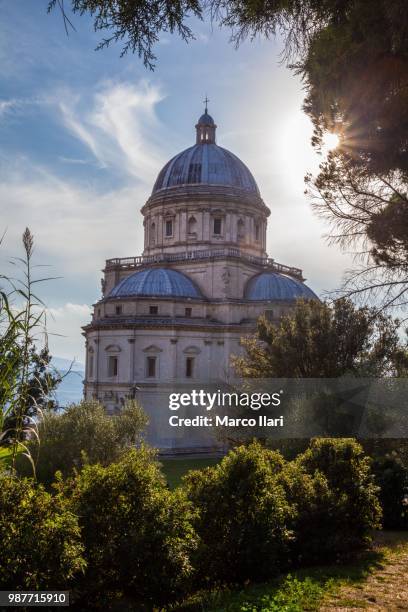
point(156, 282)
point(274, 286)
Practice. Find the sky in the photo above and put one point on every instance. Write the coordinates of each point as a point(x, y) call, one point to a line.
point(84, 133)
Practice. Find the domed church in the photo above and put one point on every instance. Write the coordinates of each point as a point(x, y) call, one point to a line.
point(175, 314)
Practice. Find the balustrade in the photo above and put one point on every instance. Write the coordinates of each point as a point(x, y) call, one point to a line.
point(128, 263)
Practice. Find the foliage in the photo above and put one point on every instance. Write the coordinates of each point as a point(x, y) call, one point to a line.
point(137, 534)
point(336, 499)
point(83, 433)
point(355, 68)
point(366, 213)
point(117, 533)
point(138, 24)
point(294, 596)
point(42, 382)
point(25, 380)
point(317, 340)
point(257, 514)
point(300, 589)
point(392, 478)
point(174, 468)
point(242, 516)
point(40, 538)
point(353, 60)
point(290, 593)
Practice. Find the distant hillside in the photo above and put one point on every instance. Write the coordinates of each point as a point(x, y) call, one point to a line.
point(71, 389)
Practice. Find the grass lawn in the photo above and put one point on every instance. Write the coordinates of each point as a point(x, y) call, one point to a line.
point(175, 468)
point(376, 580)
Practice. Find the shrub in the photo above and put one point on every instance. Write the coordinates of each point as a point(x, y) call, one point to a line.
point(392, 478)
point(335, 497)
point(84, 433)
point(40, 538)
point(137, 534)
point(242, 516)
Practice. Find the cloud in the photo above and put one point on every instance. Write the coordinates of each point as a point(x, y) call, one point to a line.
point(202, 38)
point(72, 160)
point(119, 127)
point(79, 221)
point(64, 329)
point(81, 310)
point(19, 105)
point(76, 227)
point(7, 106)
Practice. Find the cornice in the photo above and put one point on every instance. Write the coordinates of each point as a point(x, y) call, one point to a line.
point(208, 327)
point(207, 194)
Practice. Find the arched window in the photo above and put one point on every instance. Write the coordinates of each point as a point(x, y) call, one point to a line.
point(169, 228)
point(240, 229)
point(217, 226)
point(91, 362)
point(192, 225)
point(257, 231)
point(152, 237)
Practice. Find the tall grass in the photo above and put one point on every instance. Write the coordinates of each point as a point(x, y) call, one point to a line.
point(22, 327)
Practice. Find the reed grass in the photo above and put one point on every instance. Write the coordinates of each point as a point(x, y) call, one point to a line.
point(22, 327)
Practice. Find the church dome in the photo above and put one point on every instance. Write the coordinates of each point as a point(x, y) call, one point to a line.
point(206, 163)
point(274, 286)
point(156, 282)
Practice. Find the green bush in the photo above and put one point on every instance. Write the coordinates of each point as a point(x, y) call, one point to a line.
point(242, 516)
point(336, 500)
point(83, 433)
point(137, 534)
point(40, 538)
point(392, 478)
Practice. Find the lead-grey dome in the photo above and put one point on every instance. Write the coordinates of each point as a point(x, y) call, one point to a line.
point(274, 286)
point(206, 164)
point(160, 282)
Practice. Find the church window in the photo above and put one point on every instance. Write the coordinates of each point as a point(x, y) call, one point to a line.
point(151, 367)
point(153, 310)
point(240, 229)
point(152, 238)
point(169, 228)
point(188, 312)
point(192, 223)
point(217, 226)
point(118, 310)
point(90, 365)
point(112, 366)
point(257, 231)
point(189, 367)
point(269, 315)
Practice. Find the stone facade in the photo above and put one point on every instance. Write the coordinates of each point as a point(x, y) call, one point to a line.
point(142, 342)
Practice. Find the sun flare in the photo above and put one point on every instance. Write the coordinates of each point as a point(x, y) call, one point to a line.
point(330, 141)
